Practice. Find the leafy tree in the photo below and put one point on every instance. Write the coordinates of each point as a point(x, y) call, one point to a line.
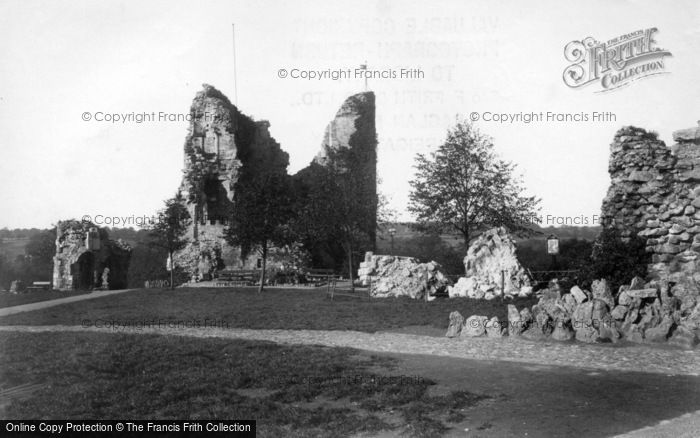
point(426, 248)
point(262, 204)
point(385, 214)
point(466, 187)
point(333, 208)
point(146, 263)
point(168, 231)
point(40, 251)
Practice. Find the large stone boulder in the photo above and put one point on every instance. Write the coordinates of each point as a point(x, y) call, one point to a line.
point(391, 276)
point(465, 287)
point(515, 323)
point(474, 326)
point(601, 291)
point(578, 295)
point(562, 331)
point(490, 266)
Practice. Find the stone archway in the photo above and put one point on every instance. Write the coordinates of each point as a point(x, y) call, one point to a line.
point(82, 271)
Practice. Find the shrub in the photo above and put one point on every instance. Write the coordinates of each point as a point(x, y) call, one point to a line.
point(148, 263)
point(617, 259)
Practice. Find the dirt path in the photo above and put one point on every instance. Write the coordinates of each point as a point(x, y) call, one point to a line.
point(537, 389)
point(639, 358)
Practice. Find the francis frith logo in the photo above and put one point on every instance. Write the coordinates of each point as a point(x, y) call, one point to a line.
point(616, 62)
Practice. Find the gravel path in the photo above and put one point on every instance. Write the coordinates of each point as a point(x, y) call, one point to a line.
point(641, 358)
point(685, 426)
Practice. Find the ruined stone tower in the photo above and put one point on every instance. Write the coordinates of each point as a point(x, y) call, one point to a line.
point(655, 193)
point(218, 147)
point(217, 144)
point(354, 129)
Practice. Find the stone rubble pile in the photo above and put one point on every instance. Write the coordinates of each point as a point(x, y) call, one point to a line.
point(641, 313)
point(490, 261)
point(392, 276)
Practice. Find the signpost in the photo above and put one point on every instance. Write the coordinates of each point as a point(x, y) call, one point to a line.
point(392, 231)
point(553, 248)
point(169, 268)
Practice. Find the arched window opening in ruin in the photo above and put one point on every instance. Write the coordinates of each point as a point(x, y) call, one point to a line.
point(215, 202)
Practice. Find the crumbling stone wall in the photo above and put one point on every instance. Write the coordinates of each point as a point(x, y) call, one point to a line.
point(75, 267)
point(655, 194)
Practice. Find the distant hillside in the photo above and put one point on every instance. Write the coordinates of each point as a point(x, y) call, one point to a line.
point(12, 247)
point(407, 230)
point(407, 241)
point(13, 242)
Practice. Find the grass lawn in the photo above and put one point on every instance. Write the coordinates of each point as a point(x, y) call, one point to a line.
point(8, 300)
point(299, 391)
point(273, 309)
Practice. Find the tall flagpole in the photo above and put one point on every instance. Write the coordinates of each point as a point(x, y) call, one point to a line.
point(364, 67)
point(235, 77)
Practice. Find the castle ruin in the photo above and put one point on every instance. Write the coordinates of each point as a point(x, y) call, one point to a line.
point(655, 194)
point(218, 143)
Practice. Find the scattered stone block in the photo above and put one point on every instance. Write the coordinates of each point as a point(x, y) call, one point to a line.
point(515, 324)
point(494, 328)
point(562, 331)
point(619, 312)
point(636, 283)
point(643, 293)
point(578, 294)
point(601, 291)
point(456, 323)
point(474, 326)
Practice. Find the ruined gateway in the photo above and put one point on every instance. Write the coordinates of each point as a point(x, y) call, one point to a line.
point(215, 155)
point(77, 267)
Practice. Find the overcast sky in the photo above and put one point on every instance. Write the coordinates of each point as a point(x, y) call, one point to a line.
point(62, 59)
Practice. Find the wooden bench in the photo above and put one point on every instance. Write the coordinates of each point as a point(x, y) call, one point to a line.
point(40, 285)
point(237, 277)
point(319, 277)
